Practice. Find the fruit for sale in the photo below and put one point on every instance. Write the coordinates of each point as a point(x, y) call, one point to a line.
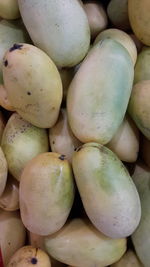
point(28, 256)
point(140, 237)
point(3, 171)
point(125, 143)
point(99, 92)
point(46, 193)
point(78, 243)
point(139, 106)
point(142, 70)
point(21, 141)
point(60, 28)
point(61, 138)
point(121, 37)
point(9, 9)
point(12, 234)
point(139, 16)
point(33, 84)
point(108, 194)
point(129, 259)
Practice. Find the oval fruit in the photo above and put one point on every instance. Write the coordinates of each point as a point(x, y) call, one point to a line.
point(46, 193)
point(142, 71)
point(59, 28)
point(3, 171)
point(96, 106)
point(21, 141)
point(107, 191)
point(129, 259)
point(34, 92)
point(78, 243)
point(9, 9)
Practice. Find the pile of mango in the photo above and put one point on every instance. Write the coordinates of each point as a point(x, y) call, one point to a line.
point(75, 133)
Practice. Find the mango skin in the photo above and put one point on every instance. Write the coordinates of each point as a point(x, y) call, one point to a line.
point(129, 259)
point(97, 98)
point(139, 17)
point(21, 141)
point(3, 171)
point(139, 106)
point(34, 92)
point(46, 193)
point(12, 234)
point(9, 9)
point(140, 237)
point(78, 243)
point(108, 193)
point(142, 71)
point(60, 28)
point(29, 256)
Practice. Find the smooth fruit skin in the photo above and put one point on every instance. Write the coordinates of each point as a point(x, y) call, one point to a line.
point(140, 237)
point(60, 28)
point(12, 234)
point(107, 191)
point(21, 141)
point(78, 243)
point(139, 17)
point(33, 84)
point(129, 259)
point(142, 71)
point(46, 193)
point(9, 9)
point(3, 171)
point(99, 92)
point(29, 256)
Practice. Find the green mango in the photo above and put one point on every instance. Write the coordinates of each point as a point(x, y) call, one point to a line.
point(3, 171)
point(78, 243)
point(140, 237)
point(33, 84)
point(21, 141)
point(142, 70)
point(99, 92)
point(46, 193)
point(107, 191)
point(129, 259)
point(9, 9)
point(60, 28)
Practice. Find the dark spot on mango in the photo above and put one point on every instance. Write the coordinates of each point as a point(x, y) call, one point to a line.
point(6, 63)
point(53, 142)
point(62, 157)
point(34, 261)
point(15, 47)
point(28, 93)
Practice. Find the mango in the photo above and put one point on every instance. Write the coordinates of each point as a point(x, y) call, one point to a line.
point(46, 193)
point(142, 71)
point(125, 143)
point(139, 17)
point(10, 198)
point(60, 28)
point(108, 193)
point(34, 92)
point(129, 259)
point(12, 234)
point(140, 237)
point(99, 92)
point(78, 243)
point(121, 37)
point(21, 141)
point(61, 138)
point(28, 256)
point(9, 9)
point(139, 106)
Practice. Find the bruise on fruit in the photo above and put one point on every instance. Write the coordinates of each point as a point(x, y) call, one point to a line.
point(15, 47)
point(28, 93)
point(62, 157)
point(34, 261)
point(6, 63)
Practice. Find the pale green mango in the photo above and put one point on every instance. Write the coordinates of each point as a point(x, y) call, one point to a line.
point(12, 234)
point(46, 193)
point(9, 9)
point(61, 138)
point(121, 37)
point(140, 237)
point(78, 243)
point(99, 92)
point(142, 70)
point(118, 14)
point(60, 28)
point(108, 194)
point(33, 84)
point(21, 141)
point(3, 171)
